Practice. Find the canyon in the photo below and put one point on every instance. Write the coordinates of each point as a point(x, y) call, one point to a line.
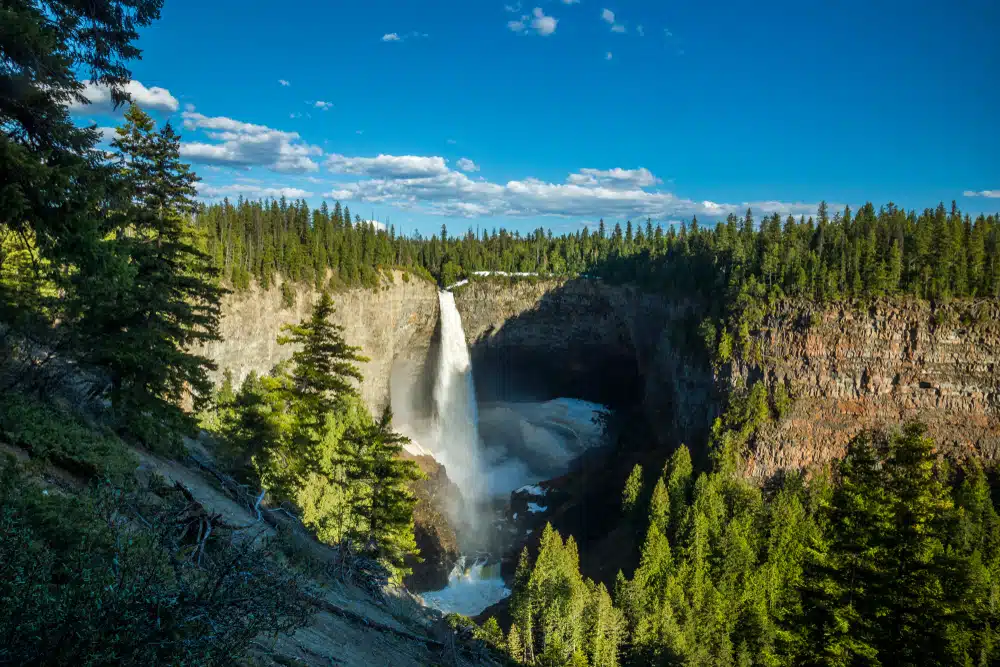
point(847, 367)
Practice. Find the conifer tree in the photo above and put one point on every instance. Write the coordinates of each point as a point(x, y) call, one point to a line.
point(378, 491)
point(172, 302)
point(323, 368)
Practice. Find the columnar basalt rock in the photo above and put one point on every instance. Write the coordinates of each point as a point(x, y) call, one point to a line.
point(853, 368)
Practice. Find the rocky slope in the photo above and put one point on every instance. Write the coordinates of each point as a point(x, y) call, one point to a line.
point(855, 368)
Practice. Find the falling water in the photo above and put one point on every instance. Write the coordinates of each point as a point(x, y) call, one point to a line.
point(457, 432)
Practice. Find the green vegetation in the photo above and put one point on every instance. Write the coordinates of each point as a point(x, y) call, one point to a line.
point(303, 434)
point(933, 254)
point(892, 560)
point(110, 577)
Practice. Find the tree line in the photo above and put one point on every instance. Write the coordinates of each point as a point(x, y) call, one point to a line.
point(938, 253)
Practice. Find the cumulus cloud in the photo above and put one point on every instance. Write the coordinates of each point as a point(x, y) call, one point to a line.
point(247, 145)
point(465, 164)
point(617, 177)
point(993, 194)
point(390, 37)
point(250, 191)
point(325, 106)
point(543, 25)
point(153, 98)
point(608, 17)
point(537, 21)
point(284, 82)
point(427, 184)
point(389, 166)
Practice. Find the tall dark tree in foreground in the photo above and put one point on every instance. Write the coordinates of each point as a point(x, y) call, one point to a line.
point(55, 190)
point(144, 340)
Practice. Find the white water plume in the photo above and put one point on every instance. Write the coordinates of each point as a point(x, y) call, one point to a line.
point(455, 415)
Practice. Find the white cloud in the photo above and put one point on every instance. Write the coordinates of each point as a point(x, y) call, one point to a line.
point(247, 145)
point(151, 99)
point(629, 178)
point(294, 115)
point(608, 16)
point(543, 25)
point(993, 194)
point(108, 133)
point(390, 37)
point(250, 191)
point(666, 32)
point(452, 142)
point(571, 2)
point(608, 56)
point(517, 26)
point(388, 166)
point(513, 9)
point(639, 29)
point(189, 107)
point(325, 106)
point(425, 183)
point(465, 164)
point(284, 82)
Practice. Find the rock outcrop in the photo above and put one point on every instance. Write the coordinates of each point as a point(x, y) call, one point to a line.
point(434, 533)
point(850, 369)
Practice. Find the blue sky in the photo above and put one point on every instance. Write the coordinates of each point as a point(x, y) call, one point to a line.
point(555, 112)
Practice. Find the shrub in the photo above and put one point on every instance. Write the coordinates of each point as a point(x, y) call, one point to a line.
point(115, 578)
point(287, 294)
point(49, 434)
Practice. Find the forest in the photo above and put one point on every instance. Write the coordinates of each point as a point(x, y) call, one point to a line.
point(936, 254)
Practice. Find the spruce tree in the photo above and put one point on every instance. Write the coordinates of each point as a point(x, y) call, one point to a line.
point(378, 489)
point(144, 341)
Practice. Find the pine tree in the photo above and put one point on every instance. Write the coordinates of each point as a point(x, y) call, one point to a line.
point(378, 489)
point(172, 301)
point(323, 367)
point(632, 490)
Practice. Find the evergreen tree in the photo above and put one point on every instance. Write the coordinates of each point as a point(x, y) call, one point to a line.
point(380, 498)
point(172, 302)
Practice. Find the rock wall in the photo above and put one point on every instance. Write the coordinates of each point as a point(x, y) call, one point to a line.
point(393, 325)
point(849, 369)
point(583, 338)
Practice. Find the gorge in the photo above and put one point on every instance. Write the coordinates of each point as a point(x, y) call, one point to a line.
point(541, 353)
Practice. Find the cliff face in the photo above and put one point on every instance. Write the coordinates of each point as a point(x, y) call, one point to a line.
point(586, 339)
point(393, 325)
point(851, 369)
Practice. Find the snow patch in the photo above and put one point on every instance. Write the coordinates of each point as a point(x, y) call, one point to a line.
point(531, 490)
point(535, 507)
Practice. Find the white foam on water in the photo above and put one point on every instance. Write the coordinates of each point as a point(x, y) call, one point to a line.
point(470, 590)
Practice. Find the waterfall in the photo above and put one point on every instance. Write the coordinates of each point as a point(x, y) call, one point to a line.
point(456, 421)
